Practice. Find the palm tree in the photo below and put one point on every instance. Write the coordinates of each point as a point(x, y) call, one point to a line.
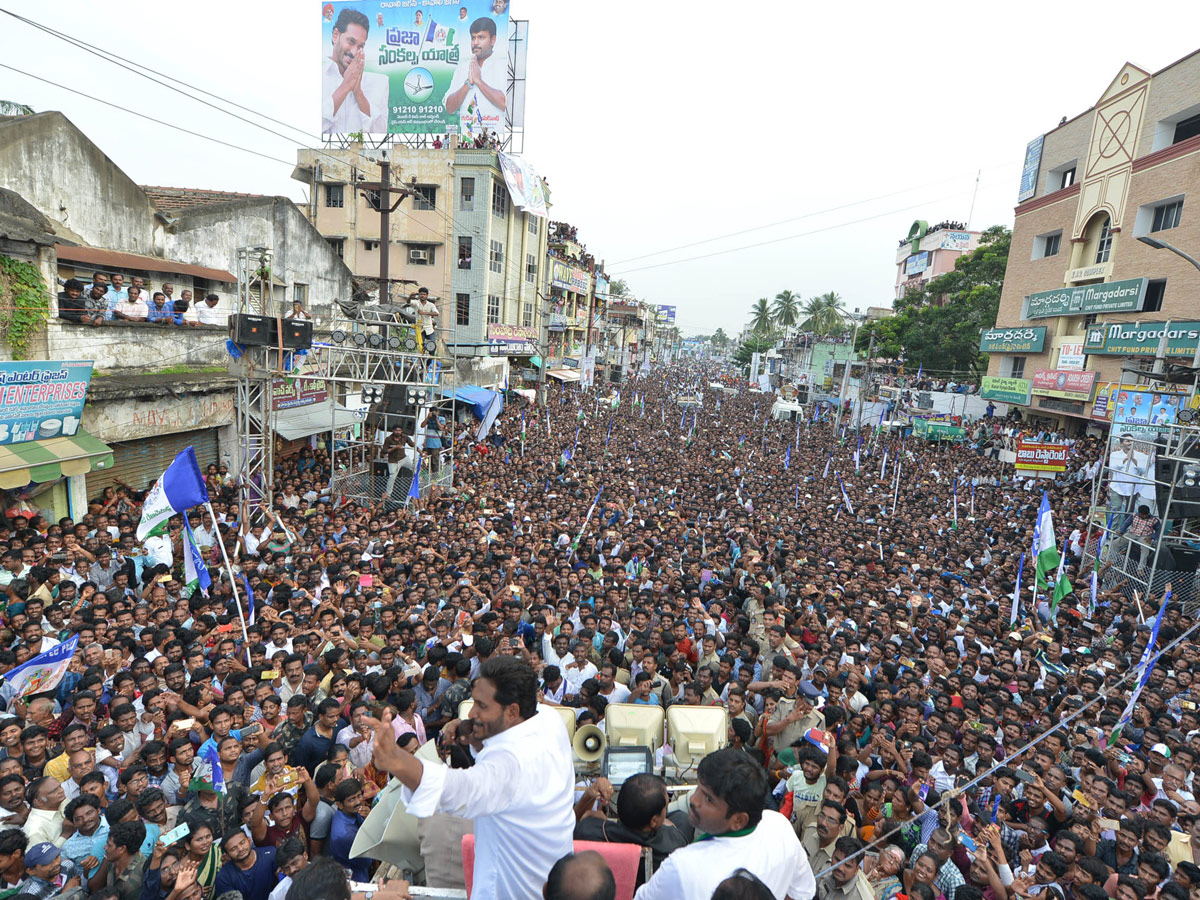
point(760, 316)
point(12, 108)
point(786, 309)
point(824, 315)
point(719, 338)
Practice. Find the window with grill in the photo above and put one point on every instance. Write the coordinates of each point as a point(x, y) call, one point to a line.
point(496, 257)
point(493, 315)
point(530, 268)
point(1155, 291)
point(527, 315)
point(464, 252)
point(499, 199)
point(372, 198)
point(462, 309)
point(533, 223)
point(1167, 216)
point(1018, 366)
point(334, 195)
point(466, 194)
point(425, 196)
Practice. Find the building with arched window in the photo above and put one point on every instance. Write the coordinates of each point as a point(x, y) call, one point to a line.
point(1083, 295)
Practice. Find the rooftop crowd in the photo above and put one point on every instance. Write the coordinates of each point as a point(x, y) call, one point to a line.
point(879, 699)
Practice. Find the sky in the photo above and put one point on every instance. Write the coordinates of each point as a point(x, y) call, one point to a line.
point(767, 146)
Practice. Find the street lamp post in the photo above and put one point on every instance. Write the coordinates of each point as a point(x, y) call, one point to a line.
point(1159, 244)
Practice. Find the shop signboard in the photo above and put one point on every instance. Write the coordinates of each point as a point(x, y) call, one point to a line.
point(568, 277)
point(1141, 338)
point(1108, 297)
point(956, 240)
point(665, 315)
point(1026, 339)
point(421, 66)
point(41, 400)
point(1066, 385)
point(1042, 457)
point(1029, 172)
point(291, 393)
point(511, 340)
point(917, 263)
point(1005, 390)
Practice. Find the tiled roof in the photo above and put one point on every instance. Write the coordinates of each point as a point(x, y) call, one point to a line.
point(166, 199)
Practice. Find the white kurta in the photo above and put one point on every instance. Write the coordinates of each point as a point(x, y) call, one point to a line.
point(772, 852)
point(520, 792)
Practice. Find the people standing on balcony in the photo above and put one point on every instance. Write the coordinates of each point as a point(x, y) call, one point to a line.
point(132, 309)
point(159, 311)
point(75, 307)
point(208, 313)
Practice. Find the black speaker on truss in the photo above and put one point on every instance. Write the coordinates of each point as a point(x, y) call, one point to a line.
point(297, 333)
point(252, 331)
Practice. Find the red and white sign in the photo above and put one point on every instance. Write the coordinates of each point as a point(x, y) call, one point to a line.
point(1035, 456)
point(1063, 383)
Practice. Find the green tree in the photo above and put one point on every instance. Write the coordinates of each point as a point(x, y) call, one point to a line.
point(719, 338)
point(757, 343)
point(824, 315)
point(761, 320)
point(13, 108)
point(618, 289)
point(786, 309)
point(938, 326)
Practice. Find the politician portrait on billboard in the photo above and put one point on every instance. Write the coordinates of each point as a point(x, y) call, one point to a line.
point(352, 99)
point(421, 67)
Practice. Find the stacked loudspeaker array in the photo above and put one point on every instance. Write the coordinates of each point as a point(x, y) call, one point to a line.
point(268, 331)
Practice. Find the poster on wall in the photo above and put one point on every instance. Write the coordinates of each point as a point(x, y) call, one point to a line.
point(1029, 172)
point(414, 67)
point(40, 400)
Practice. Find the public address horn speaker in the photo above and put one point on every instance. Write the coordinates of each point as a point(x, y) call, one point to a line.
point(589, 743)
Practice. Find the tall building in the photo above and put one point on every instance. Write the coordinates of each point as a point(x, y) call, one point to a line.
point(1083, 296)
point(929, 251)
point(458, 234)
point(572, 292)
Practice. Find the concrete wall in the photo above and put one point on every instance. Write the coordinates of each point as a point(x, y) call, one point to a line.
point(53, 165)
point(136, 347)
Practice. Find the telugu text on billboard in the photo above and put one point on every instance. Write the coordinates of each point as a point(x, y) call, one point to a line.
point(414, 66)
point(956, 240)
point(1030, 339)
point(1041, 457)
point(1069, 385)
point(524, 185)
point(40, 400)
point(1005, 390)
point(293, 393)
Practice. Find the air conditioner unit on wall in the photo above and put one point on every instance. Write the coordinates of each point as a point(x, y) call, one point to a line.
point(418, 256)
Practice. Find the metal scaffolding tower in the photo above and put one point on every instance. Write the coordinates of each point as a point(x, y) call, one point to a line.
point(1156, 465)
point(254, 371)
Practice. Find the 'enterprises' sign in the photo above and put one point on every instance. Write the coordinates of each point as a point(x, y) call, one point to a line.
point(1110, 297)
point(1141, 338)
point(1030, 339)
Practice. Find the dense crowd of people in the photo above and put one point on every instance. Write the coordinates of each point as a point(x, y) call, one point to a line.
point(887, 712)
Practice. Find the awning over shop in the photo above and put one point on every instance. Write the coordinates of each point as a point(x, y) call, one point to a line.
point(51, 459)
point(563, 375)
point(95, 256)
point(303, 421)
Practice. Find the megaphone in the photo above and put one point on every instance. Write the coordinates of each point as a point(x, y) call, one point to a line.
point(589, 743)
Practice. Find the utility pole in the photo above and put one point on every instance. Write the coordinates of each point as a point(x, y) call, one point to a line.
point(386, 208)
point(861, 384)
point(545, 348)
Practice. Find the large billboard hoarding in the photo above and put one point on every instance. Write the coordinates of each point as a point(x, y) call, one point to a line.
point(414, 67)
point(665, 315)
point(41, 400)
point(1029, 172)
point(1030, 339)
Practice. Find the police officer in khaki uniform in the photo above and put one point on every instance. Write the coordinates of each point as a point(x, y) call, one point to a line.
point(846, 881)
point(794, 713)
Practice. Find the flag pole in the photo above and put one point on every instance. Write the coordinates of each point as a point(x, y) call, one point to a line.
point(232, 581)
